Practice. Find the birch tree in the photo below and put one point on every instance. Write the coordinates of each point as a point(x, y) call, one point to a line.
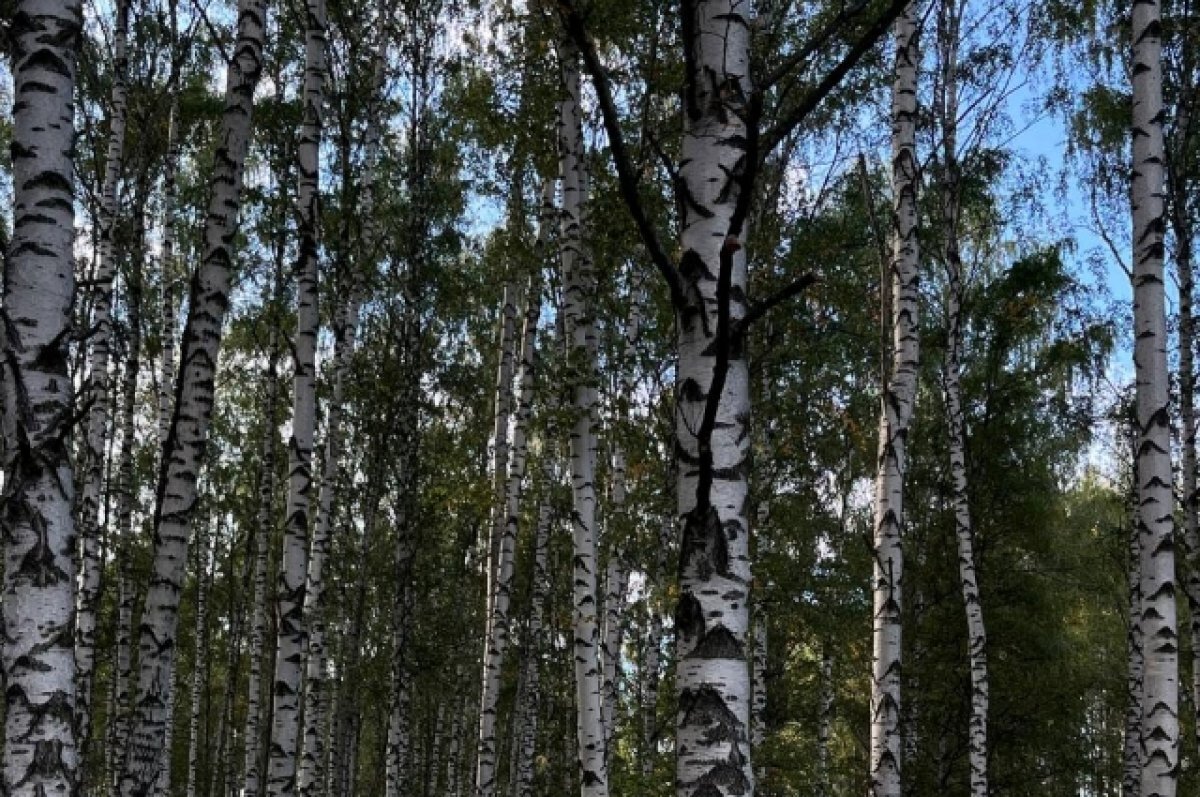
point(896, 410)
point(1160, 688)
point(38, 656)
point(948, 110)
point(579, 287)
point(147, 770)
point(293, 571)
point(98, 388)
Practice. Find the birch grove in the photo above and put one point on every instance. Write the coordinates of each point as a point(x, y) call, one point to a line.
point(510, 328)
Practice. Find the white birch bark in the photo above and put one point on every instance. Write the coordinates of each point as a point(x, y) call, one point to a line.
point(712, 440)
point(292, 642)
point(616, 581)
point(37, 652)
point(536, 642)
point(90, 564)
point(500, 444)
point(1160, 695)
point(949, 23)
point(895, 415)
point(1131, 784)
point(200, 663)
point(579, 288)
point(345, 329)
point(147, 767)
point(168, 271)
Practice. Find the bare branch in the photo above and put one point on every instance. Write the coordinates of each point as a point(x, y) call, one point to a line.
point(790, 291)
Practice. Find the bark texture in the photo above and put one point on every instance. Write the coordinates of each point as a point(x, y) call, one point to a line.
point(147, 768)
point(97, 389)
point(38, 653)
point(1160, 694)
point(895, 416)
point(579, 287)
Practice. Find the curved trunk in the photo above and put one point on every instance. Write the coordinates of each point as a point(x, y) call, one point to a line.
point(38, 655)
point(147, 768)
point(90, 564)
point(895, 415)
point(579, 285)
point(1160, 694)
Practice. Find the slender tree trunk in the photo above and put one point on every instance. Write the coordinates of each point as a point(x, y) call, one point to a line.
point(147, 768)
point(293, 570)
point(949, 22)
point(1131, 784)
point(169, 271)
point(260, 544)
point(37, 651)
point(118, 725)
point(90, 564)
point(758, 693)
point(712, 410)
point(200, 664)
point(895, 415)
point(616, 580)
point(579, 284)
point(1160, 697)
point(651, 677)
point(500, 457)
point(536, 642)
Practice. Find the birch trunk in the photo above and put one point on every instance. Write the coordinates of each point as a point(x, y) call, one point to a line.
point(616, 580)
point(200, 663)
point(147, 768)
point(579, 285)
point(758, 689)
point(895, 415)
point(651, 676)
point(949, 23)
point(500, 447)
point(118, 725)
point(536, 642)
point(1131, 785)
point(37, 652)
point(1160, 696)
point(169, 270)
point(90, 564)
point(260, 542)
point(293, 571)
point(310, 771)
point(712, 414)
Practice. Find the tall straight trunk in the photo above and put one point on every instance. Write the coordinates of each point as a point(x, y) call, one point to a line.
point(1160, 695)
point(199, 686)
point(37, 650)
point(118, 725)
point(224, 773)
point(579, 286)
point(168, 274)
point(147, 768)
point(949, 24)
point(712, 411)
point(758, 689)
point(896, 409)
point(293, 569)
point(398, 775)
point(90, 564)
point(536, 641)
point(500, 452)
point(1131, 785)
point(616, 583)
point(260, 541)
point(345, 329)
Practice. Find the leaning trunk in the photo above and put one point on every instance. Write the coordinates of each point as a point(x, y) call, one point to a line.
point(1160, 693)
point(147, 770)
point(37, 652)
point(895, 415)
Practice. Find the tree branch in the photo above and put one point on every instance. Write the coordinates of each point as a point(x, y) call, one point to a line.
point(827, 84)
point(626, 174)
point(790, 291)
